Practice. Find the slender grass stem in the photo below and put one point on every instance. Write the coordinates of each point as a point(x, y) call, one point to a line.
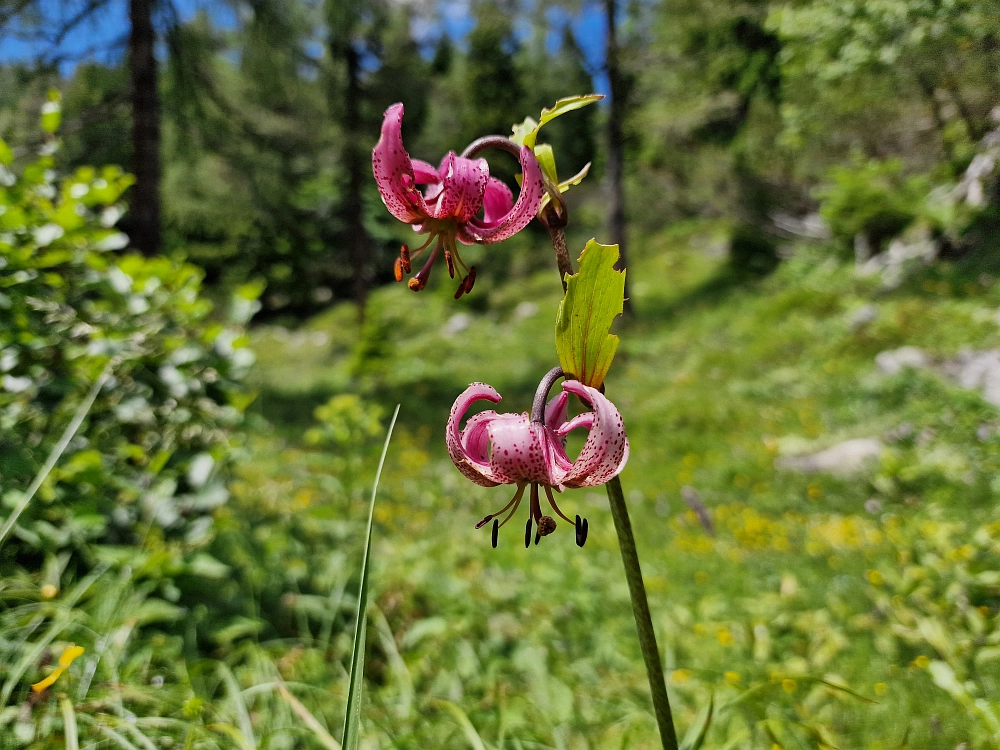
point(643, 621)
point(56, 454)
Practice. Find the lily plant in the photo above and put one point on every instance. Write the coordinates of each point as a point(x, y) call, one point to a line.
point(528, 450)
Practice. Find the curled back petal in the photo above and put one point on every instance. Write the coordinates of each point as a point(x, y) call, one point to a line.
point(585, 421)
point(606, 449)
point(394, 171)
point(424, 173)
point(497, 202)
point(471, 463)
point(463, 185)
point(523, 211)
point(556, 410)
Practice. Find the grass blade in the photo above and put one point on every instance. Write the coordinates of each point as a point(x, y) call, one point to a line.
point(307, 718)
point(352, 720)
point(239, 705)
point(57, 451)
point(471, 735)
point(695, 737)
point(69, 724)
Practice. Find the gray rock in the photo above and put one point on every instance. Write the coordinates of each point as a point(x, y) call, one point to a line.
point(893, 361)
point(978, 370)
point(863, 316)
point(843, 459)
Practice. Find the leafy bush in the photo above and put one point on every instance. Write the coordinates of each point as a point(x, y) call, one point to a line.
point(143, 469)
point(872, 199)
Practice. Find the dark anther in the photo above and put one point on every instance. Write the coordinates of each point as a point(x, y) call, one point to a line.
point(527, 534)
point(404, 258)
point(450, 262)
point(397, 269)
point(484, 522)
point(546, 525)
point(470, 279)
point(537, 537)
point(582, 527)
point(461, 289)
point(496, 530)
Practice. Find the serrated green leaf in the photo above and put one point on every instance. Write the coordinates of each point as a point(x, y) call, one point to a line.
point(523, 136)
point(566, 185)
point(522, 130)
point(594, 298)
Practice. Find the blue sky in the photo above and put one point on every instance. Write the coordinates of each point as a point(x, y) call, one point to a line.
point(102, 36)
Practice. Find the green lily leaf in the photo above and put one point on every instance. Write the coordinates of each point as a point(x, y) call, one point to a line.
point(547, 161)
point(566, 185)
point(594, 298)
point(526, 133)
point(522, 130)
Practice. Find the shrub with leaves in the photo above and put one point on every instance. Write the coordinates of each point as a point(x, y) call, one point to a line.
point(871, 200)
point(139, 479)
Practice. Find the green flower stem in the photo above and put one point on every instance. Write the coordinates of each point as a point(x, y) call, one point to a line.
point(643, 621)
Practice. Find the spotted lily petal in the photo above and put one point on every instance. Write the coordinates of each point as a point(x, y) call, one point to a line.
point(394, 171)
point(556, 411)
point(463, 185)
point(521, 450)
point(530, 198)
point(606, 450)
point(497, 202)
point(471, 458)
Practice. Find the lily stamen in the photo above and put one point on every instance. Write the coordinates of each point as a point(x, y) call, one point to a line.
point(419, 281)
point(552, 502)
point(504, 509)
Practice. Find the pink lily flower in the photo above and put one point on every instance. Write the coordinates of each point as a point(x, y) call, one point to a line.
point(448, 208)
point(529, 450)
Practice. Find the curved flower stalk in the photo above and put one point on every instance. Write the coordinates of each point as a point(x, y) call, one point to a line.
point(528, 450)
point(448, 208)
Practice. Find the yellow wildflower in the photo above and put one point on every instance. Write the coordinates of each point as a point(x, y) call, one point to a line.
point(67, 658)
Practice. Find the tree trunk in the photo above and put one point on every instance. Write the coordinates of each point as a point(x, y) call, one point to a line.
point(356, 161)
point(144, 220)
point(616, 147)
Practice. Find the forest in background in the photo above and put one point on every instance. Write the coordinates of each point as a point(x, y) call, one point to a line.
point(810, 197)
point(251, 150)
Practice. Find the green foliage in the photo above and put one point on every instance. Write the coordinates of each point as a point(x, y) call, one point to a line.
point(492, 86)
point(594, 298)
point(873, 199)
point(751, 251)
point(144, 471)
